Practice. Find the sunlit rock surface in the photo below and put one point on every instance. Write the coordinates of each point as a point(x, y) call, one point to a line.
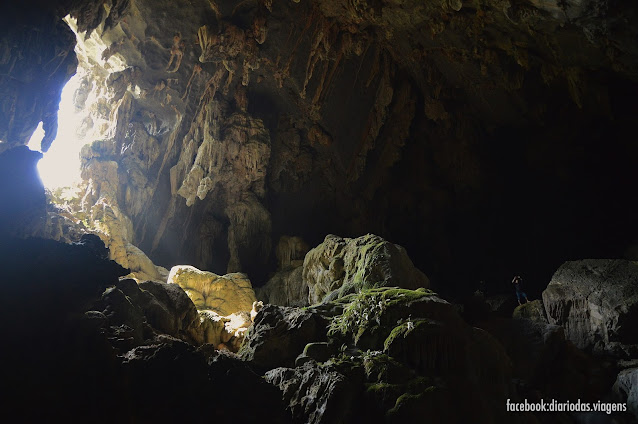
point(224, 294)
point(223, 304)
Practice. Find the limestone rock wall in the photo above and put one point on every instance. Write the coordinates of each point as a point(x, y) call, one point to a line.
point(595, 301)
point(261, 129)
point(37, 60)
point(233, 125)
point(626, 387)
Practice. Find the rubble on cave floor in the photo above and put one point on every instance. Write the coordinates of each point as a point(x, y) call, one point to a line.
point(384, 354)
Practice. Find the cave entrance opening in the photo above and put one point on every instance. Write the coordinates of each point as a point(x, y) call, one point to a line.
point(79, 120)
point(60, 165)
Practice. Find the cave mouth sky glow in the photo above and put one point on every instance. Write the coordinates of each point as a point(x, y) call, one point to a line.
point(60, 166)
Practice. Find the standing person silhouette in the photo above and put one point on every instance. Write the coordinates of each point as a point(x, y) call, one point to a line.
point(519, 292)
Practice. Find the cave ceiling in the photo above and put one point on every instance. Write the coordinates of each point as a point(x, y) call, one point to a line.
point(460, 129)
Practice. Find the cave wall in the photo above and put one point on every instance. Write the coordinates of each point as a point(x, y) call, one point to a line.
point(36, 61)
point(487, 137)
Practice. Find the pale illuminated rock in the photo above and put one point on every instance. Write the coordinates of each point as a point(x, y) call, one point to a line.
point(223, 294)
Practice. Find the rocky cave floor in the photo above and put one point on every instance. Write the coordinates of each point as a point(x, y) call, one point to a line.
point(84, 343)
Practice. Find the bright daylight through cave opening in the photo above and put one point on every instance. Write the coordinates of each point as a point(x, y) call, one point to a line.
point(60, 166)
point(77, 125)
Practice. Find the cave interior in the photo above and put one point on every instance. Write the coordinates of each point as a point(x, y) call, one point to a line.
point(485, 138)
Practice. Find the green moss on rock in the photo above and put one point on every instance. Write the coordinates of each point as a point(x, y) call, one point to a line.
point(341, 266)
point(403, 330)
point(363, 310)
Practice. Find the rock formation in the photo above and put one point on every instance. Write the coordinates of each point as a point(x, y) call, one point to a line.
point(225, 294)
point(279, 335)
point(224, 303)
point(338, 267)
point(37, 61)
point(396, 364)
point(596, 302)
point(627, 388)
point(285, 288)
point(343, 266)
point(291, 250)
point(533, 311)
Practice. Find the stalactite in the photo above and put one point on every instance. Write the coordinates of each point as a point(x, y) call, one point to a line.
point(212, 86)
point(197, 70)
point(206, 40)
point(290, 248)
point(285, 72)
point(325, 84)
point(168, 155)
point(376, 119)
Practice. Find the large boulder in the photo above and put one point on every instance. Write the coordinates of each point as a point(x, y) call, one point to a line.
point(126, 320)
point(137, 312)
point(596, 301)
point(45, 281)
point(393, 355)
point(543, 359)
point(626, 388)
point(340, 266)
point(223, 294)
point(370, 316)
point(423, 331)
point(311, 392)
point(171, 311)
point(203, 384)
point(279, 334)
point(533, 311)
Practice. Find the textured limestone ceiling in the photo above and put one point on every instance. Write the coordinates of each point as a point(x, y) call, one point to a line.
point(226, 125)
point(486, 48)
